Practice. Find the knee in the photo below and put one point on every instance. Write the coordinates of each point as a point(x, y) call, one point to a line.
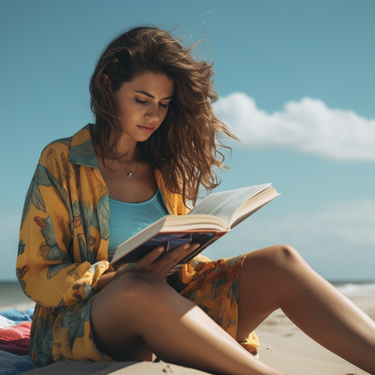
point(280, 256)
point(286, 256)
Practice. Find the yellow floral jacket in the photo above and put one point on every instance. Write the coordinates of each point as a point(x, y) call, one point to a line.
point(63, 243)
point(63, 251)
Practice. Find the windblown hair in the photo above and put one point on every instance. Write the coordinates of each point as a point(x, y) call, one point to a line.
point(184, 147)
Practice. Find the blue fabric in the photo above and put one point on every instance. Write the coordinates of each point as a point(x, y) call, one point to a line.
point(17, 316)
point(127, 219)
point(13, 364)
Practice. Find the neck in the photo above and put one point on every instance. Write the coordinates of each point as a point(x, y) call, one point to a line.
point(128, 148)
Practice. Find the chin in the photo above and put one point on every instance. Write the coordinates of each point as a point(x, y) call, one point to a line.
point(144, 138)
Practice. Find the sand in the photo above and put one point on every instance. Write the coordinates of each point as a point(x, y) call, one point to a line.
point(283, 346)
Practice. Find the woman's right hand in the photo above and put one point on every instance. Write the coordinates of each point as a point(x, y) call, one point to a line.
point(160, 265)
point(152, 262)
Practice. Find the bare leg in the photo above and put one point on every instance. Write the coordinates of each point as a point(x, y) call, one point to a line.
point(280, 278)
point(138, 314)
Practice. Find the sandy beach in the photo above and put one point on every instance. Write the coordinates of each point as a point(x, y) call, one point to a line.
point(283, 346)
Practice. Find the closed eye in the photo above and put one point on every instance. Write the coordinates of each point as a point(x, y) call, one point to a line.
point(141, 101)
point(145, 101)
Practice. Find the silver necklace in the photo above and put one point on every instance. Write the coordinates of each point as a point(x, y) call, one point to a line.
point(128, 174)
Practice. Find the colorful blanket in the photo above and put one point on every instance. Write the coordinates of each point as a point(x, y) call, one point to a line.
point(15, 341)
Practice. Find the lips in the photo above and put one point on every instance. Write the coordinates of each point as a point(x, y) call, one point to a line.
point(146, 129)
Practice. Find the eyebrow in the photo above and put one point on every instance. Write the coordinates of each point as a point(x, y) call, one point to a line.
point(150, 96)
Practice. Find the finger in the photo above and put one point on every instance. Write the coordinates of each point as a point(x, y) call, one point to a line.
point(186, 251)
point(171, 256)
point(149, 258)
point(169, 260)
point(178, 256)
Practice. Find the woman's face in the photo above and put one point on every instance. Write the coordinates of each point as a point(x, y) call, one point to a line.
point(142, 104)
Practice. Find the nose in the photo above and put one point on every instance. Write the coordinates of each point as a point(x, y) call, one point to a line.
point(152, 113)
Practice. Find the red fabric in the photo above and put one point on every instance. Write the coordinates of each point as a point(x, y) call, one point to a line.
point(16, 339)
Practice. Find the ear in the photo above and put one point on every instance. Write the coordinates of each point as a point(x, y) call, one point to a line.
point(107, 83)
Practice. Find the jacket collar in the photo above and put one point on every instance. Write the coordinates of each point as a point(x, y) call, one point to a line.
point(82, 150)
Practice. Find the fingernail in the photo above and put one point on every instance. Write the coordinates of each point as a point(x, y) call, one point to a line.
point(186, 246)
point(160, 249)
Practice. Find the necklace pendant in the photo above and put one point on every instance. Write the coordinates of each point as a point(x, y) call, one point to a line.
point(130, 174)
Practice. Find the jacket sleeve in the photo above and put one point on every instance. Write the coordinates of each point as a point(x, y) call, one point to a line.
point(45, 266)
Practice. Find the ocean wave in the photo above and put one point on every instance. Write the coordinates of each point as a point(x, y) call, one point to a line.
point(356, 289)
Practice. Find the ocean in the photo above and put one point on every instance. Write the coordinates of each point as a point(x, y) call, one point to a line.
point(356, 289)
point(11, 295)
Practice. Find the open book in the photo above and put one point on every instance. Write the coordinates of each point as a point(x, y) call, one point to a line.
point(209, 220)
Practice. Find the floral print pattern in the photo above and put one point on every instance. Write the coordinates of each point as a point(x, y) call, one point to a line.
point(63, 251)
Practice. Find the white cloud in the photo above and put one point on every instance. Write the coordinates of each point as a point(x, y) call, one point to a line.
point(307, 126)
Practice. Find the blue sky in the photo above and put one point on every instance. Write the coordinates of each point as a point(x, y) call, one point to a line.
point(296, 83)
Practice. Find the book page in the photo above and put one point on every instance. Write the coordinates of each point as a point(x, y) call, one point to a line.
point(224, 204)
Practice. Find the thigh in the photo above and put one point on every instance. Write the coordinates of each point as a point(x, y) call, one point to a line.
point(268, 276)
point(128, 309)
point(115, 315)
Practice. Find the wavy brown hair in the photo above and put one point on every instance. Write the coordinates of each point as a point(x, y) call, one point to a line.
point(185, 147)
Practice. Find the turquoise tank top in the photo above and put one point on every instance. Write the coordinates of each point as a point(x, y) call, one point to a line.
point(127, 219)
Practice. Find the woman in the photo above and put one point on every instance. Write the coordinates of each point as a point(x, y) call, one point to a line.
point(152, 146)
